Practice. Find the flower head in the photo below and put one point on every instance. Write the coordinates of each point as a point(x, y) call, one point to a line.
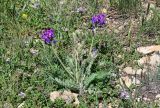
point(124, 95)
point(47, 35)
point(24, 16)
point(104, 10)
point(99, 19)
point(22, 94)
point(81, 10)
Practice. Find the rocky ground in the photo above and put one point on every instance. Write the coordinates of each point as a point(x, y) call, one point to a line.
point(145, 76)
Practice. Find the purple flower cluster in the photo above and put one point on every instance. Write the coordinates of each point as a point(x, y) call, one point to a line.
point(47, 35)
point(99, 19)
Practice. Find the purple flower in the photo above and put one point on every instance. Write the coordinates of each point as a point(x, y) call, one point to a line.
point(22, 94)
point(124, 95)
point(47, 35)
point(81, 10)
point(99, 19)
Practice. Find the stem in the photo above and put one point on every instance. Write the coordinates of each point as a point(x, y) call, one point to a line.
point(91, 46)
point(47, 58)
point(76, 62)
point(129, 33)
point(68, 72)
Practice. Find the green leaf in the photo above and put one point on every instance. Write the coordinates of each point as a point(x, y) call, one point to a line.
point(89, 79)
point(88, 68)
point(67, 83)
point(102, 74)
point(70, 63)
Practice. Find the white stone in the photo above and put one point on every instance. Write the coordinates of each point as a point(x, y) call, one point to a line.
point(136, 81)
point(148, 49)
point(158, 96)
point(126, 80)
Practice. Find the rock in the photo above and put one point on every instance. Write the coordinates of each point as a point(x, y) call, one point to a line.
point(146, 99)
point(7, 105)
point(109, 105)
point(129, 81)
point(100, 105)
point(22, 105)
point(148, 49)
point(54, 95)
point(158, 96)
point(155, 59)
point(143, 60)
point(67, 96)
point(131, 71)
point(150, 62)
point(140, 71)
point(126, 80)
point(136, 81)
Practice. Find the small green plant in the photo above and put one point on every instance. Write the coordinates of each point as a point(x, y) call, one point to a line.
point(78, 66)
point(127, 5)
point(59, 103)
point(151, 26)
